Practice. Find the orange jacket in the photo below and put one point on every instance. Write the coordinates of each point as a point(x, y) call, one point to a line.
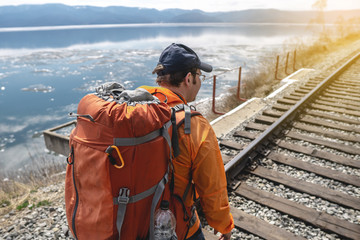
point(200, 158)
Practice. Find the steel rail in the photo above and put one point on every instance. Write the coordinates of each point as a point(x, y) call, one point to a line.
point(236, 165)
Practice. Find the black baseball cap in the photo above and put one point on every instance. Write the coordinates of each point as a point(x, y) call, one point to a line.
point(178, 57)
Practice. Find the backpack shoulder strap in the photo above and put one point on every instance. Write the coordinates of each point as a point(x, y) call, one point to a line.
point(186, 120)
point(187, 124)
point(190, 111)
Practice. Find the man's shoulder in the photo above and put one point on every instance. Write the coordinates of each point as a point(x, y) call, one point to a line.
point(197, 121)
point(195, 116)
point(198, 117)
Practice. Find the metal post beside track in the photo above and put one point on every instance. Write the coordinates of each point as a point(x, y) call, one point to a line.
point(213, 97)
point(294, 69)
point(239, 87)
point(286, 63)
point(276, 68)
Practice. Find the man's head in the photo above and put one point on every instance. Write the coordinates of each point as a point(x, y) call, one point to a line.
point(179, 58)
point(177, 65)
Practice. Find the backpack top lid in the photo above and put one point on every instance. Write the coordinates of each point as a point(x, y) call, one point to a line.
point(117, 112)
point(118, 93)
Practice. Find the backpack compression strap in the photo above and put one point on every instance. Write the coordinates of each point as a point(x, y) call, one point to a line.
point(124, 193)
point(148, 137)
point(124, 199)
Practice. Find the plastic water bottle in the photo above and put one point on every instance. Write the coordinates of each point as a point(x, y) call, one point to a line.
point(165, 223)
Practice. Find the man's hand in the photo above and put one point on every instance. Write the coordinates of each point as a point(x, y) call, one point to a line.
point(226, 236)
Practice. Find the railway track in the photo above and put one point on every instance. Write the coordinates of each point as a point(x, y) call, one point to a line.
point(294, 172)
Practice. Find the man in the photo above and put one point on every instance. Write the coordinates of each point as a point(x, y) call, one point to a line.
point(198, 170)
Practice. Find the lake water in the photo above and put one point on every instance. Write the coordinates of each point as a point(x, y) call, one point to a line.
point(44, 72)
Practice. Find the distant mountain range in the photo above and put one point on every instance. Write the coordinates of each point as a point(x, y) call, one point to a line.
point(59, 14)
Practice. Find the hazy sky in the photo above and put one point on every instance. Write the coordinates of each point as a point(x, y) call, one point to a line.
point(205, 5)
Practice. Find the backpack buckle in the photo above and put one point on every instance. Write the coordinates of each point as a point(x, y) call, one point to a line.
point(123, 196)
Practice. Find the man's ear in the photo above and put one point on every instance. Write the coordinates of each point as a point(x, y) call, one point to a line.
point(188, 79)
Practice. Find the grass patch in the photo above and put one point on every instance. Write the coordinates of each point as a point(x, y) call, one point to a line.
point(22, 205)
point(30, 205)
point(43, 203)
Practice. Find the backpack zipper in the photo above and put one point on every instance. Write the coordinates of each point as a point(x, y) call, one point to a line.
point(76, 192)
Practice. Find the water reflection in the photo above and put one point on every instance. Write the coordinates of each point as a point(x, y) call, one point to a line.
point(60, 38)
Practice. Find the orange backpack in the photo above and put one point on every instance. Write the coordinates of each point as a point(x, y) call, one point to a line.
point(120, 158)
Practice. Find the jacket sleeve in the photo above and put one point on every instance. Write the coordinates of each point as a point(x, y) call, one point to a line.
point(208, 174)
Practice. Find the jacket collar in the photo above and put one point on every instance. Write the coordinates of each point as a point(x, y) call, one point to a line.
point(173, 98)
